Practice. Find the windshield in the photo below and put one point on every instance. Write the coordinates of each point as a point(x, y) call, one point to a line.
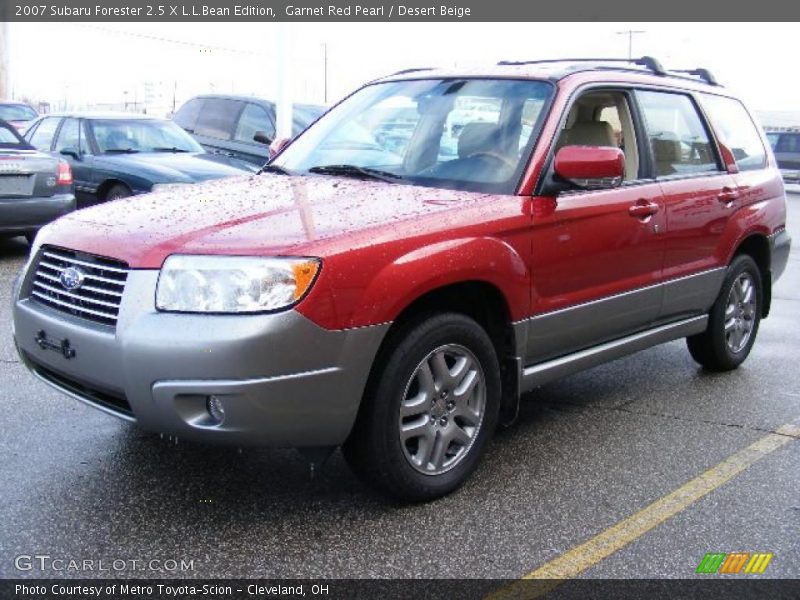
point(468, 134)
point(141, 135)
point(16, 112)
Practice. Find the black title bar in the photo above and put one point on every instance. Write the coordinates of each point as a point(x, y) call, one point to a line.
point(699, 588)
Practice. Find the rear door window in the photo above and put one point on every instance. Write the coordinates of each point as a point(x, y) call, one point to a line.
point(218, 118)
point(253, 119)
point(42, 138)
point(736, 130)
point(678, 137)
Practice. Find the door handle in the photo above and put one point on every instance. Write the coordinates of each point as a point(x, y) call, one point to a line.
point(643, 209)
point(728, 195)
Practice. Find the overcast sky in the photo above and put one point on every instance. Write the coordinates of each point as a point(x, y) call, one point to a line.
point(90, 63)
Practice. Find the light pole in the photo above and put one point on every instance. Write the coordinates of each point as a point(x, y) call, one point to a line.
point(630, 33)
point(4, 62)
point(325, 72)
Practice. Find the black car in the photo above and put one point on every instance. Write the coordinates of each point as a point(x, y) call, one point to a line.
point(17, 114)
point(119, 155)
point(786, 146)
point(35, 188)
point(239, 126)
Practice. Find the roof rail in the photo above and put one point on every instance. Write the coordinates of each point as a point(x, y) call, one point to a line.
point(648, 62)
point(414, 70)
point(703, 74)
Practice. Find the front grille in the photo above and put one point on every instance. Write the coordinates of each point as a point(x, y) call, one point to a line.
point(96, 299)
point(112, 401)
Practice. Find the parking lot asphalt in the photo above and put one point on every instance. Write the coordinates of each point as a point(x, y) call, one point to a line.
point(587, 452)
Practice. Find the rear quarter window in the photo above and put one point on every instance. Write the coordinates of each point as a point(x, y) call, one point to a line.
point(736, 130)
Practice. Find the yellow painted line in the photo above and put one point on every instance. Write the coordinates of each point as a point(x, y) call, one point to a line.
point(573, 562)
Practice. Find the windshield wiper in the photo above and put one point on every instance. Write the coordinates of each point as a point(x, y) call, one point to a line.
point(121, 151)
point(173, 149)
point(273, 169)
point(355, 171)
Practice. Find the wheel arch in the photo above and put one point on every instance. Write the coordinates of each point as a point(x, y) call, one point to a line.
point(486, 304)
point(107, 184)
point(756, 245)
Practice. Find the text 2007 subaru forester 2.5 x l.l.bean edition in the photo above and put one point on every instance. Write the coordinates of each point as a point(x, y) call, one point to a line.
point(431, 248)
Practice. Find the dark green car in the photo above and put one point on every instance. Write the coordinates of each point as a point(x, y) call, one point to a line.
point(115, 156)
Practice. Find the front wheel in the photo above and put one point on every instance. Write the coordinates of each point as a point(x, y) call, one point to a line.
point(429, 410)
point(734, 319)
point(116, 192)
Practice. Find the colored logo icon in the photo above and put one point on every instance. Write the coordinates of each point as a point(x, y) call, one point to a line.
point(733, 563)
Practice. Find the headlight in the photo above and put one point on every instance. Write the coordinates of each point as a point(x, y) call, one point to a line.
point(233, 284)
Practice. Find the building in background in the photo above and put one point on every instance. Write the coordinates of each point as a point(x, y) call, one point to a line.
point(775, 119)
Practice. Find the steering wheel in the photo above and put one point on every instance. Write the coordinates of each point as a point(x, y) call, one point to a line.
point(507, 162)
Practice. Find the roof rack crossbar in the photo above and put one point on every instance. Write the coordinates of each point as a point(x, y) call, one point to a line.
point(703, 74)
point(648, 62)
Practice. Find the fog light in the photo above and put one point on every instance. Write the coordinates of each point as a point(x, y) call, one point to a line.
point(215, 408)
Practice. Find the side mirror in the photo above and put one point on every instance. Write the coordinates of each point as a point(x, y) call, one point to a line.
point(276, 147)
point(73, 152)
point(591, 167)
point(262, 138)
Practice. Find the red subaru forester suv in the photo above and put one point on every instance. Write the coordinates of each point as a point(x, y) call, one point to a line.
point(434, 246)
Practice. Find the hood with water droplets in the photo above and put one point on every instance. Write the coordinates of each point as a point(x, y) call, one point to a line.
point(260, 215)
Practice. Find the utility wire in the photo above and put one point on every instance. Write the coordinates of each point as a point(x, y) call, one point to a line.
point(155, 38)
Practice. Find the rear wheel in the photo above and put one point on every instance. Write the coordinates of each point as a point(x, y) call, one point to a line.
point(429, 410)
point(733, 320)
point(115, 192)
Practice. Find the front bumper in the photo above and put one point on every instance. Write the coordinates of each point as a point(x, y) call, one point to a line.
point(21, 215)
point(283, 380)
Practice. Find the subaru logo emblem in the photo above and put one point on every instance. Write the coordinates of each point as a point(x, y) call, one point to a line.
point(71, 278)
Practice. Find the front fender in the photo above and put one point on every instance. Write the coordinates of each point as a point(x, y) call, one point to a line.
point(411, 275)
point(139, 179)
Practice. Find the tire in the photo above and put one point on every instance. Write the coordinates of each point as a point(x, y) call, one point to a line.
point(733, 320)
point(115, 192)
point(428, 366)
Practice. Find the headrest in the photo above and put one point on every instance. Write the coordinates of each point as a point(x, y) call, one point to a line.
point(666, 151)
point(478, 137)
point(589, 133)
